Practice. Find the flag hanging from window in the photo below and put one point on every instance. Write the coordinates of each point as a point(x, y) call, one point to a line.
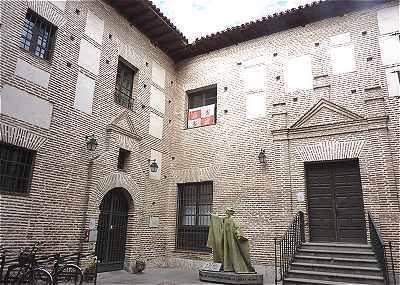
point(201, 116)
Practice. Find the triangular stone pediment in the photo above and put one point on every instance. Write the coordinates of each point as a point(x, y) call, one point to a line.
point(123, 124)
point(325, 112)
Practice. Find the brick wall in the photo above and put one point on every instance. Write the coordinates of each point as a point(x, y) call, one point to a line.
point(54, 211)
point(69, 182)
point(361, 124)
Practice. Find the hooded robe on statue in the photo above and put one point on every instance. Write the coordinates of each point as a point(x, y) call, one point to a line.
point(228, 244)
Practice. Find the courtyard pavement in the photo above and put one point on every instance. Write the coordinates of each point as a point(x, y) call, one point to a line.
point(152, 276)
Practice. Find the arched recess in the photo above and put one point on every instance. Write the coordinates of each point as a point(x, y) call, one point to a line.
point(105, 184)
point(130, 191)
point(112, 230)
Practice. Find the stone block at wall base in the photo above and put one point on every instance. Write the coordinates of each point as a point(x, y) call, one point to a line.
point(269, 273)
point(160, 262)
point(186, 264)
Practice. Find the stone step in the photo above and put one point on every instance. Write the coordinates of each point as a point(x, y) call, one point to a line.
point(362, 262)
point(301, 281)
point(336, 277)
point(338, 244)
point(338, 247)
point(337, 253)
point(346, 269)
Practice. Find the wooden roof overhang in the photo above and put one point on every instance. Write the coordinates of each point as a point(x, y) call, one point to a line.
point(277, 22)
point(145, 16)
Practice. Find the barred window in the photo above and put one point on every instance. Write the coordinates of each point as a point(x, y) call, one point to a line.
point(38, 35)
point(124, 85)
point(193, 215)
point(16, 165)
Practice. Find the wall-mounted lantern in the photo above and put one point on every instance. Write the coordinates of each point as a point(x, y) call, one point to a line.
point(91, 143)
point(153, 165)
point(262, 157)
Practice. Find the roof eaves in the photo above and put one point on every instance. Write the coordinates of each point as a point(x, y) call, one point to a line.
point(277, 22)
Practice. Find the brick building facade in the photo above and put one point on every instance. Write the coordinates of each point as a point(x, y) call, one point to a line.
point(319, 92)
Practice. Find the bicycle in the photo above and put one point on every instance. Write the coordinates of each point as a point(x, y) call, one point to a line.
point(27, 271)
point(2, 261)
point(66, 274)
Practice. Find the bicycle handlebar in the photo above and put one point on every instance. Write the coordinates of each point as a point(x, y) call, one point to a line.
point(31, 251)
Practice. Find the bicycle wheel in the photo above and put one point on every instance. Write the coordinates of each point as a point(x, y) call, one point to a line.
point(14, 272)
point(36, 276)
point(69, 274)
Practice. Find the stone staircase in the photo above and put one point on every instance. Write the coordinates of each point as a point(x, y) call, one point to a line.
point(334, 264)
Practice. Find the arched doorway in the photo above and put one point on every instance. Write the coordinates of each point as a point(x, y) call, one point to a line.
point(111, 238)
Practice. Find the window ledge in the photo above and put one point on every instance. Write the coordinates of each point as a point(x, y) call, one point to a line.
point(128, 104)
point(11, 193)
point(199, 127)
point(38, 58)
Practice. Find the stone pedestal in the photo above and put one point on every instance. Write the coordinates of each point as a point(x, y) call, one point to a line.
point(231, 277)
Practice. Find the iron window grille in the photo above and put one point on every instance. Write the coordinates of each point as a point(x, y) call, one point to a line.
point(193, 215)
point(124, 85)
point(203, 96)
point(16, 166)
point(122, 158)
point(112, 228)
point(38, 35)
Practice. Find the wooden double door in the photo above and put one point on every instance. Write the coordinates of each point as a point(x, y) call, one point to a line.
point(335, 202)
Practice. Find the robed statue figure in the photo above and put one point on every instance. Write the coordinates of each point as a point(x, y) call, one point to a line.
point(229, 246)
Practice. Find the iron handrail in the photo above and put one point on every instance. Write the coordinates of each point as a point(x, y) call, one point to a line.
point(381, 253)
point(288, 245)
point(124, 99)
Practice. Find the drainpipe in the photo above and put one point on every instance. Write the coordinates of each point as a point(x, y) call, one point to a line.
point(87, 197)
point(290, 176)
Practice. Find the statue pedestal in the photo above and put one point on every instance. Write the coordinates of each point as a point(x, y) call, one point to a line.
point(231, 277)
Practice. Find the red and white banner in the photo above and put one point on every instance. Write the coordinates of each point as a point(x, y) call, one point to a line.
point(201, 116)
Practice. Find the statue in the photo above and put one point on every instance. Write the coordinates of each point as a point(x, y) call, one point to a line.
point(229, 246)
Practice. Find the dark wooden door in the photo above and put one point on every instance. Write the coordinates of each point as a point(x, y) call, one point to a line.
point(111, 238)
point(335, 202)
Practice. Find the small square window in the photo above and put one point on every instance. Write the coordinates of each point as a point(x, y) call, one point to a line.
point(38, 36)
point(123, 157)
point(16, 166)
point(202, 107)
point(125, 84)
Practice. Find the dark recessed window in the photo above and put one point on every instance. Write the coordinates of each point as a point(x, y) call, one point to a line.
point(16, 165)
point(398, 74)
point(193, 215)
point(124, 84)
point(123, 159)
point(38, 35)
point(202, 104)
